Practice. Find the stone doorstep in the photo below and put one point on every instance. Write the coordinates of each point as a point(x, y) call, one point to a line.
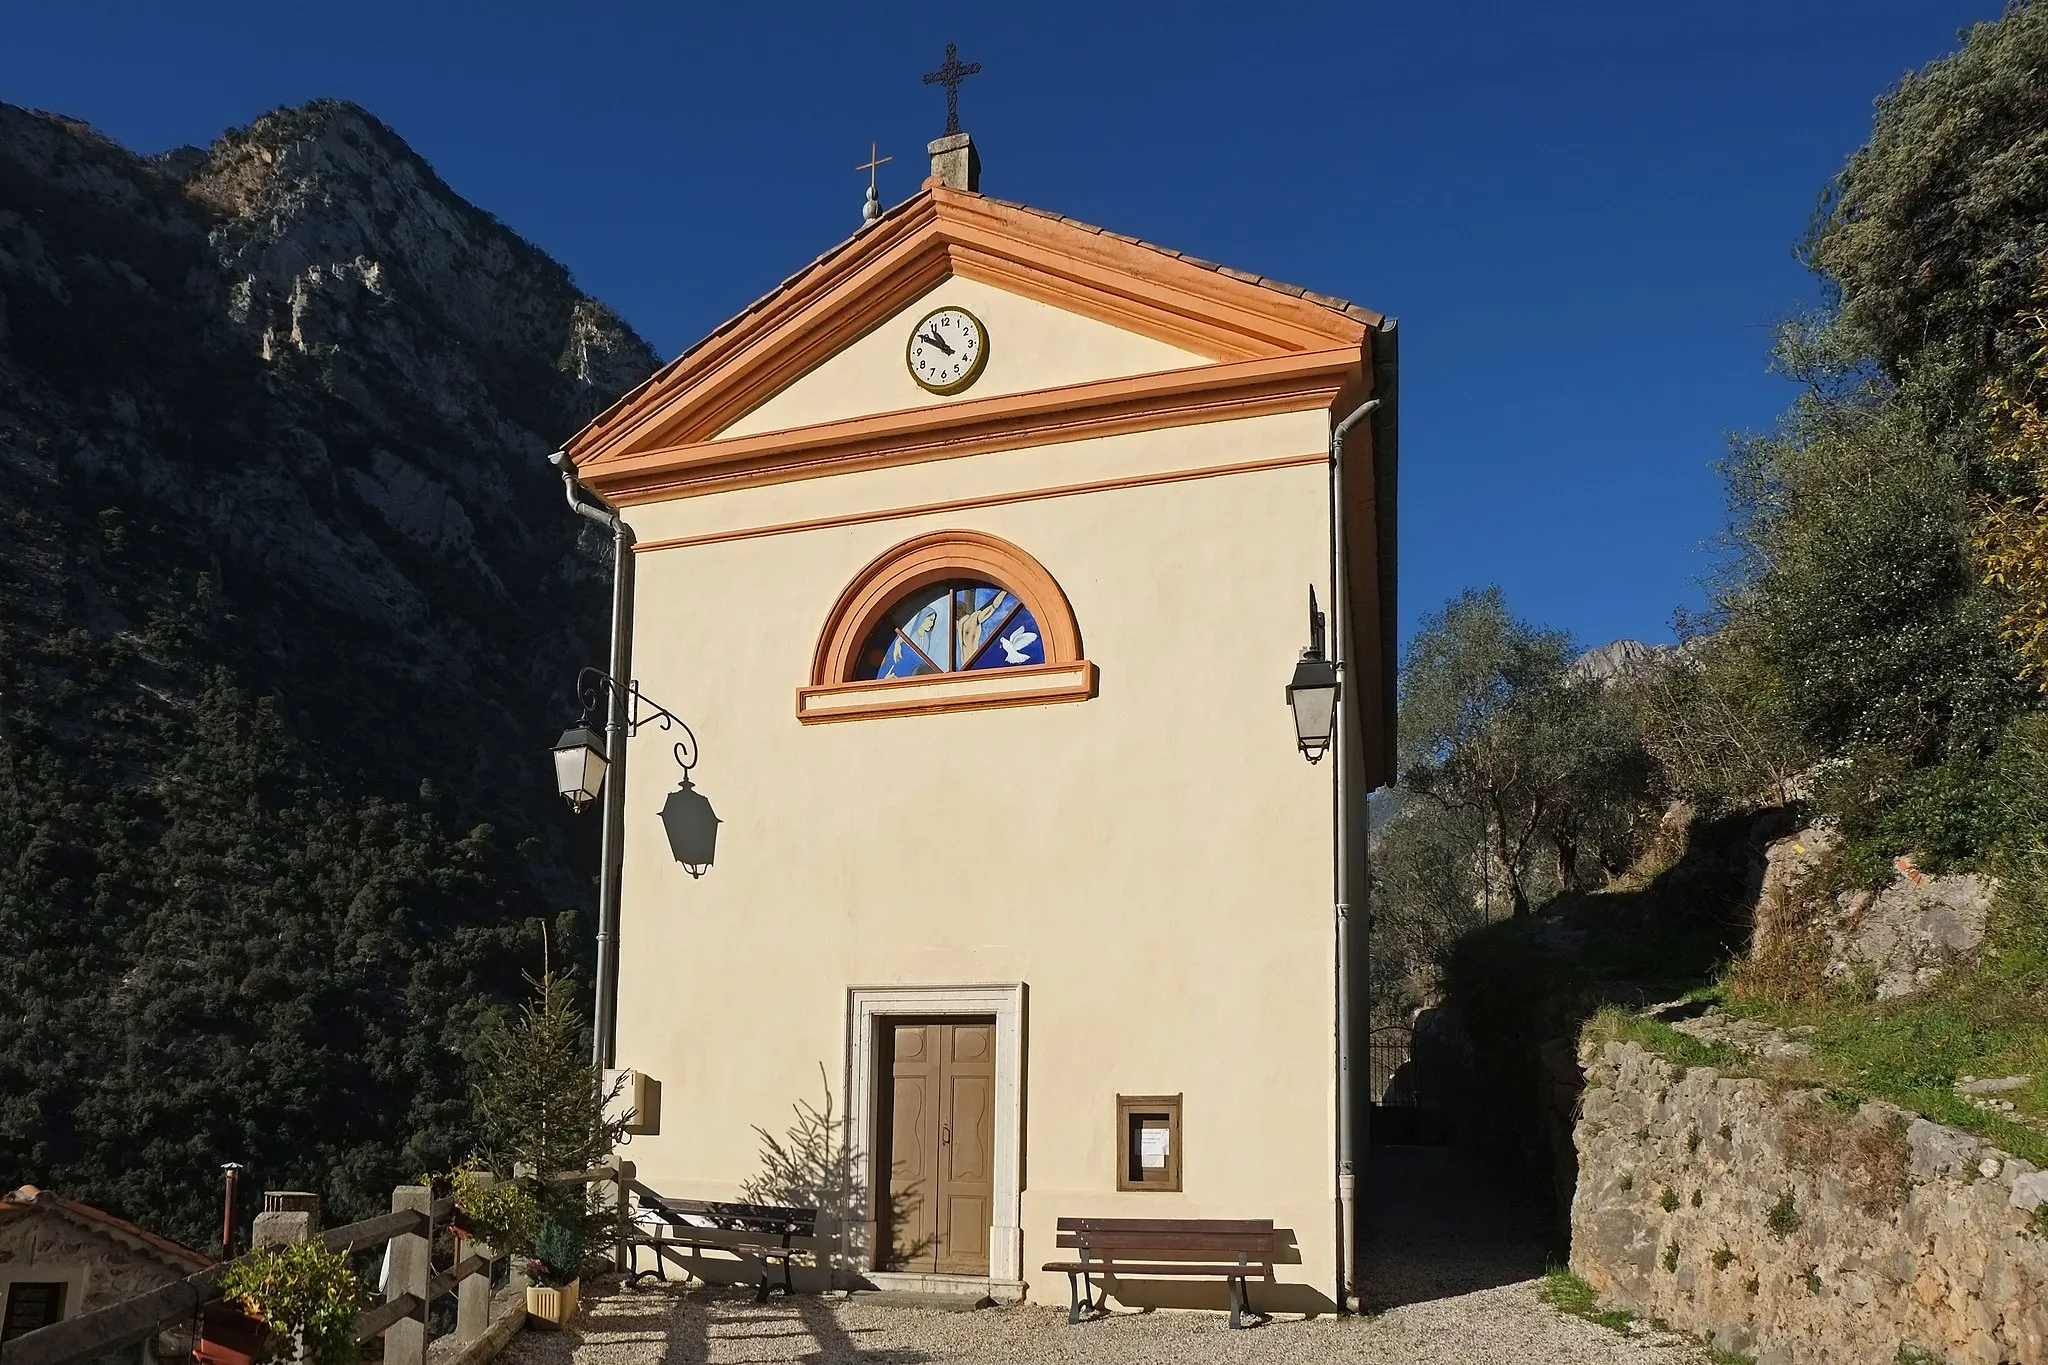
point(948, 1293)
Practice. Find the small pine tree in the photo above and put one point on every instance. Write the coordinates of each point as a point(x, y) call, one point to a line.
point(543, 1106)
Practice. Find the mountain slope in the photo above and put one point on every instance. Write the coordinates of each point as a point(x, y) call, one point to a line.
point(289, 606)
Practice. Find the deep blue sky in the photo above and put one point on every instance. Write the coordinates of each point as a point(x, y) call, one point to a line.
point(1581, 214)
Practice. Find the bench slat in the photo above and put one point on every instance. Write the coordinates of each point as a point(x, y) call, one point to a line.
point(1160, 1241)
point(1184, 1225)
point(766, 1219)
point(1153, 1252)
point(1134, 1270)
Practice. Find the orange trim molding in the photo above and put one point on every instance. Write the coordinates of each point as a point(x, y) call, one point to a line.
point(925, 509)
point(835, 693)
point(1041, 685)
point(940, 233)
point(1211, 393)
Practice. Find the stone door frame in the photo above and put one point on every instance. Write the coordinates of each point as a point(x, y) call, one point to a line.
point(867, 1007)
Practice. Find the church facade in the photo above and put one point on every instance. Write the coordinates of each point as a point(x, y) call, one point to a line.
point(977, 556)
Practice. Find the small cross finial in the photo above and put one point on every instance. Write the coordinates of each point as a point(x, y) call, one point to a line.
point(872, 210)
point(950, 75)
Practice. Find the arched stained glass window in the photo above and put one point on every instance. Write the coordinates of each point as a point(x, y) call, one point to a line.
point(953, 627)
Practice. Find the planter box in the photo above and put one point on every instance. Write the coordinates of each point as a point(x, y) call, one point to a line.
point(553, 1305)
point(227, 1336)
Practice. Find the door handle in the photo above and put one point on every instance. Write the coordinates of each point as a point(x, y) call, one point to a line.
point(945, 1134)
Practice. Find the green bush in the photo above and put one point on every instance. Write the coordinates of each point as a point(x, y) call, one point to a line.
point(557, 1253)
point(301, 1291)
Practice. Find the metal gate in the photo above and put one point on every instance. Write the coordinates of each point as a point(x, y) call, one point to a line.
point(1391, 1062)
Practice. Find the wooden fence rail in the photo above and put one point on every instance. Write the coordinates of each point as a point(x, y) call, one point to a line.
point(411, 1287)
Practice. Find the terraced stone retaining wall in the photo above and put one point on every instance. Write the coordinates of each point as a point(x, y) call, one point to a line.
point(1789, 1229)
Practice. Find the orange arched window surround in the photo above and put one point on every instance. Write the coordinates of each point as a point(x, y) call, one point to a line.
point(837, 691)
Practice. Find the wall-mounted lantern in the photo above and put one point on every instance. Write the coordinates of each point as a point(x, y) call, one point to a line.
point(1312, 693)
point(579, 766)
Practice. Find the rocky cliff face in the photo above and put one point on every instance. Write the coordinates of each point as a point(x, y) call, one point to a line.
point(289, 600)
point(311, 390)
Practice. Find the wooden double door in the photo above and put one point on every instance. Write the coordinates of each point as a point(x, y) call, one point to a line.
point(940, 1127)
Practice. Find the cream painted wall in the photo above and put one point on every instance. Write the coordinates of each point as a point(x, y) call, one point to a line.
point(1154, 863)
point(1032, 345)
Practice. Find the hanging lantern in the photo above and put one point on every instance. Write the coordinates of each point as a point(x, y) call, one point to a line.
point(579, 766)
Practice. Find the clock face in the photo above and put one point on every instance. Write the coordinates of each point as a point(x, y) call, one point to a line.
point(946, 350)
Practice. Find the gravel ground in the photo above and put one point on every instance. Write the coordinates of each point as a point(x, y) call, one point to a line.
point(666, 1325)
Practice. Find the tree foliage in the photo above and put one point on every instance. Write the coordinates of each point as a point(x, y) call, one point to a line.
point(1495, 723)
point(194, 965)
point(1428, 892)
point(2012, 525)
point(1933, 233)
point(1852, 582)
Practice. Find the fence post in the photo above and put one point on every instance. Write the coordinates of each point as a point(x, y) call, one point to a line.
point(410, 1267)
point(473, 1295)
point(621, 1259)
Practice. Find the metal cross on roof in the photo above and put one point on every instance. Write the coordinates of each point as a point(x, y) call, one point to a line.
point(872, 162)
point(950, 75)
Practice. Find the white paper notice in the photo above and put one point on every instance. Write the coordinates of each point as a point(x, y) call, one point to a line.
point(1152, 1148)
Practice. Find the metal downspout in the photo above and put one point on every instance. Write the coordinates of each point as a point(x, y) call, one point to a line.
point(611, 861)
point(1340, 633)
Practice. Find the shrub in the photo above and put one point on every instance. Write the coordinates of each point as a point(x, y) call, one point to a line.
point(503, 1214)
point(558, 1251)
point(1668, 1201)
point(302, 1292)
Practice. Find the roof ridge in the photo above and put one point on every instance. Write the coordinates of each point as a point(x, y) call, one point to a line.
point(1329, 301)
point(87, 1214)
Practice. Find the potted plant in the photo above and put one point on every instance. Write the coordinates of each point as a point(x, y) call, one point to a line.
point(299, 1301)
point(502, 1214)
point(552, 1272)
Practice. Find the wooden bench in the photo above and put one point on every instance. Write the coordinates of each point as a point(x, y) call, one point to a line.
point(1235, 1250)
point(768, 1232)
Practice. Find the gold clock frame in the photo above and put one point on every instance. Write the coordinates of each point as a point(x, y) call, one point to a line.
point(973, 372)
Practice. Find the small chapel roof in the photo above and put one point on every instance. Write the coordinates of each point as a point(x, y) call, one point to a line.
point(825, 262)
point(1334, 304)
point(28, 1199)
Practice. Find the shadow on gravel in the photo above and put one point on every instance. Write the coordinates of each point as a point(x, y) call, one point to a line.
point(1443, 1221)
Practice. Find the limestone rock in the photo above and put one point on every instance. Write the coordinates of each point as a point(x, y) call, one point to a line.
point(1808, 1236)
point(1902, 936)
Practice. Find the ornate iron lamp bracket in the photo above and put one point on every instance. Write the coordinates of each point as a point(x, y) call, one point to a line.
point(594, 685)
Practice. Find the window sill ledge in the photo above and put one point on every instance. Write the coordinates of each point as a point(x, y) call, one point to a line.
point(1038, 685)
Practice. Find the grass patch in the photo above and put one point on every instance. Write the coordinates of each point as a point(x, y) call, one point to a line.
point(1616, 1025)
point(1567, 1293)
point(1783, 1220)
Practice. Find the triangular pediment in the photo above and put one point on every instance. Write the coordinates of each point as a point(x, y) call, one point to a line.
point(1092, 305)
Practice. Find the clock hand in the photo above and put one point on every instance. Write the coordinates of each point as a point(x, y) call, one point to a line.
point(933, 337)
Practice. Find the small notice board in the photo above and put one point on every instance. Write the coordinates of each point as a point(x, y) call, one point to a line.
point(1148, 1142)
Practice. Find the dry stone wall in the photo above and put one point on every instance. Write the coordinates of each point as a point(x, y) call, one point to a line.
point(1788, 1229)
